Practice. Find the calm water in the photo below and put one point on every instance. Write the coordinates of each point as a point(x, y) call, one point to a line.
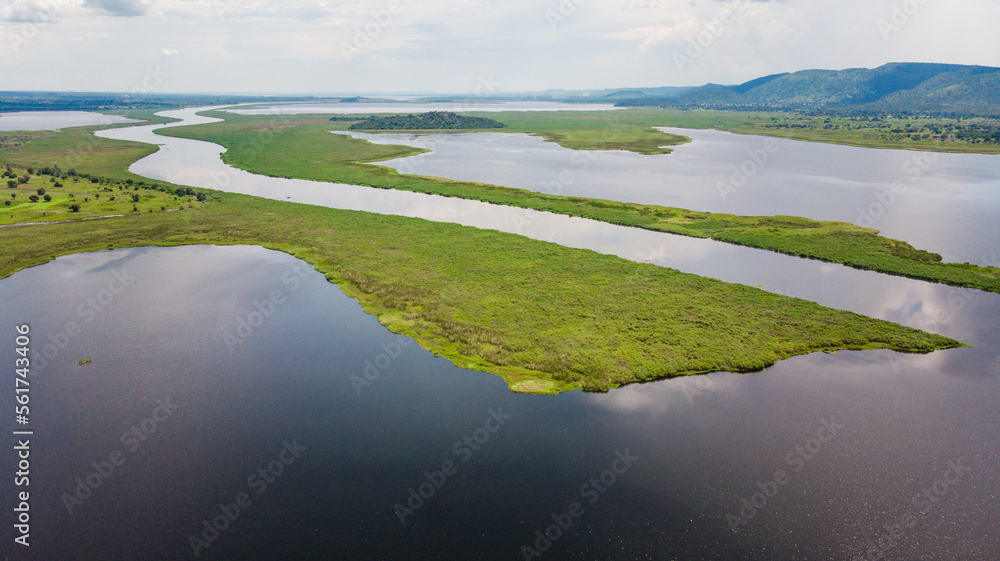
point(702, 444)
point(946, 203)
point(418, 107)
point(52, 120)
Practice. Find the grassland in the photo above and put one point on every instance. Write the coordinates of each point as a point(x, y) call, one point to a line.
point(545, 317)
point(303, 147)
point(931, 134)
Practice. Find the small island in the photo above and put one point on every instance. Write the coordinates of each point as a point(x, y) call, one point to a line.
point(426, 121)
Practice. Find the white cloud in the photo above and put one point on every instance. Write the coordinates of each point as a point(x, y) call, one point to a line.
point(446, 45)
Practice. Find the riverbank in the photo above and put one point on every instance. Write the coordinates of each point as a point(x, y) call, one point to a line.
point(545, 317)
point(302, 147)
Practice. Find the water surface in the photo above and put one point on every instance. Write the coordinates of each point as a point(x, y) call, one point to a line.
point(52, 120)
point(946, 203)
point(702, 444)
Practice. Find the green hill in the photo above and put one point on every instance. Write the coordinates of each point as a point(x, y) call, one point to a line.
point(898, 88)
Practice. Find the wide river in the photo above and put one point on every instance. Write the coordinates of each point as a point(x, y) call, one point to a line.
point(881, 454)
point(946, 203)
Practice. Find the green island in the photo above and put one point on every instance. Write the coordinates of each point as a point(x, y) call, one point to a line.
point(434, 120)
point(545, 317)
point(303, 147)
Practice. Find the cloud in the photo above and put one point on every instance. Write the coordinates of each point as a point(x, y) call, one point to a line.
point(120, 7)
point(29, 11)
point(653, 34)
point(170, 52)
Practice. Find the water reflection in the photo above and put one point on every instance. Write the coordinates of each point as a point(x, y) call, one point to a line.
point(947, 203)
point(52, 120)
point(702, 444)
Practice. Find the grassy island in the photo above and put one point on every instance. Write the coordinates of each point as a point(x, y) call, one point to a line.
point(545, 317)
point(303, 147)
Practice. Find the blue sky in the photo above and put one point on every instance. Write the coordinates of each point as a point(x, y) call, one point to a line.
point(290, 46)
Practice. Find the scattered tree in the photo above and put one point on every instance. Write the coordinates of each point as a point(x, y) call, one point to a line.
point(74, 207)
point(48, 198)
point(33, 198)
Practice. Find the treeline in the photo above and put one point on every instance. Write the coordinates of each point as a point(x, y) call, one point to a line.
point(58, 174)
point(426, 121)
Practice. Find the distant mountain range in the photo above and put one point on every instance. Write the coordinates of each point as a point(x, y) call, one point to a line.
point(896, 88)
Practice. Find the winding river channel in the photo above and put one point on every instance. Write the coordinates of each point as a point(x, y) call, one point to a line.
point(881, 454)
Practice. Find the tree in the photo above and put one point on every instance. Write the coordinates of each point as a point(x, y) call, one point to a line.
point(41, 191)
point(48, 198)
point(24, 179)
point(74, 207)
point(33, 198)
point(135, 198)
point(12, 183)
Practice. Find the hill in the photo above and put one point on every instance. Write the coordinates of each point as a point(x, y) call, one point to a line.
point(896, 88)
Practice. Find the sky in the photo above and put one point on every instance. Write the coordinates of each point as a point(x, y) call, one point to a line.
point(468, 46)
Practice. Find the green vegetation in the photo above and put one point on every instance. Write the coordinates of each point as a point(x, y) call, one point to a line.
point(545, 317)
point(72, 195)
point(939, 134)
point(631, 130)
point(304, 148)
point(84, 361)
point(435, 120)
